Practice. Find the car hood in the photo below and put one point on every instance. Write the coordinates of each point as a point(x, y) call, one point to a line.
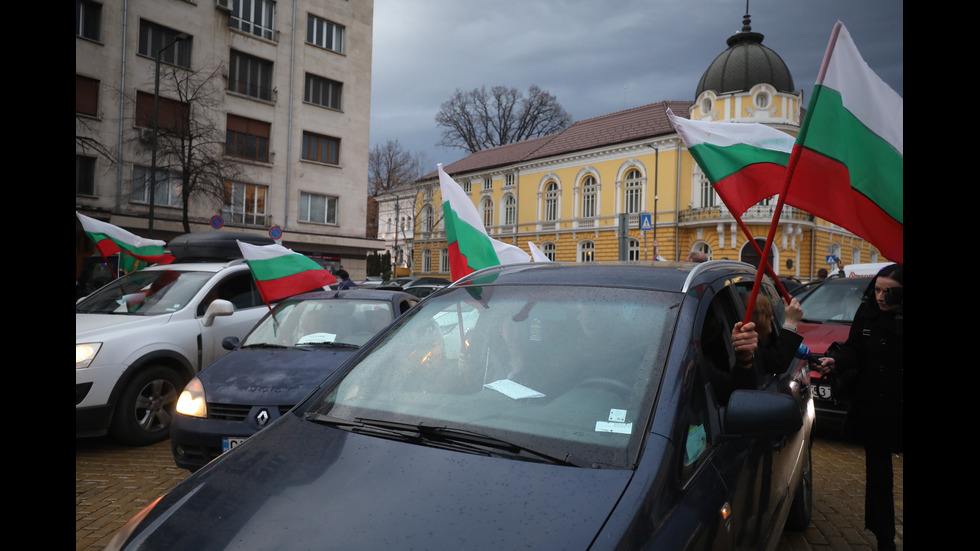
point(97, 326)
point(299, 485)
point(270, 376)
point(819, 336)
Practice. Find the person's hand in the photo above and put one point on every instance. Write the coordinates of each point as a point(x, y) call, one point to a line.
point(825, 365)
point(794, 312)
point(745, 340)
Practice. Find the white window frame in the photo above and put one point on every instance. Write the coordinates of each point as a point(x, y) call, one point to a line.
point(237, 210)
point(325, 34)
point(260, 20)
point(318, 208)
point(167, 187)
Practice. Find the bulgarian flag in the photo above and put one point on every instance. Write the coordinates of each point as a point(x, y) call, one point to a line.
point(281, 273)
point(745, 162)
point(850, 166)
point(110, 239)
point(470, 248)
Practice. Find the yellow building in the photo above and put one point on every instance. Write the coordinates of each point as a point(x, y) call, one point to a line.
point(570, 192)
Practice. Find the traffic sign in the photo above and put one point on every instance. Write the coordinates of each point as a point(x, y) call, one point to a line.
point(217, 222)
point(275, 232)
point(646, 223)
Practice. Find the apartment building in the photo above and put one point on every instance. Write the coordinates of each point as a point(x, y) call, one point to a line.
point(267, 103)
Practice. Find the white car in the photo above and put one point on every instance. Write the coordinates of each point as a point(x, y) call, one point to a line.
point(139, 339)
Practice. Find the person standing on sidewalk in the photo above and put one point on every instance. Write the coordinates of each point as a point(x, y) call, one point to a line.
point(874, 350)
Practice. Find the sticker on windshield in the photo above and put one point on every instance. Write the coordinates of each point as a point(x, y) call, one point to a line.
point(615, 423)
point(513, 390)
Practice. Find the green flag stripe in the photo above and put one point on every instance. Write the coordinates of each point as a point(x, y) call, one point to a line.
point(149, 250)
point(719, 162)
point(875, 167)
point(472, 243)
point(282, 266)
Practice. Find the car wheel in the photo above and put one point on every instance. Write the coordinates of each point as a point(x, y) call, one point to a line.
point(802, 507)
point(146, 406)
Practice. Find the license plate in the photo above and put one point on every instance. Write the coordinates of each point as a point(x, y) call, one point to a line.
point(230, 442)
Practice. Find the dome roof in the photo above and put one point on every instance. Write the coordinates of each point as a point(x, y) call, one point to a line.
point(744, 64)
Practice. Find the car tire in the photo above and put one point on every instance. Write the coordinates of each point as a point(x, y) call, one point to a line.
point(146, 407)
point(801, 510)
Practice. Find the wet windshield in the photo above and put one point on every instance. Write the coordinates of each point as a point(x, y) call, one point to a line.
point(567, 372)
point(321, 322)
point(834, 301)
point(145, 293)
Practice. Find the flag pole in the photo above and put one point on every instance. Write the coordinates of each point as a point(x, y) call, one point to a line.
point(790, 168)
point(769, 268)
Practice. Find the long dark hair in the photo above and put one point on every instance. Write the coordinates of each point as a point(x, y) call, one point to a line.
point(892, 271)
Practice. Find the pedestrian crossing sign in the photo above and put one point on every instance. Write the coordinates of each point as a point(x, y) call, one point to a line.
point(645, 223)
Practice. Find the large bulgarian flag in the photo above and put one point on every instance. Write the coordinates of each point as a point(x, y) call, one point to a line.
point(850, 166)
point(281, 273)
point(110, 239)
point(745, 162)
point(470, 247)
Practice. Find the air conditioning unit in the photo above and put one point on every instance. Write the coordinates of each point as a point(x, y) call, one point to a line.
point(146, 135)
point(224, 4)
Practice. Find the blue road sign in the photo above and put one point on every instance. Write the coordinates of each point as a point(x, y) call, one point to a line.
point(646, 223)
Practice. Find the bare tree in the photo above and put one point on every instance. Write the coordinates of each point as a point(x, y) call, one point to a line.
point(390, 166)
point(191, 142)
point(88, 144)
point(479, 119)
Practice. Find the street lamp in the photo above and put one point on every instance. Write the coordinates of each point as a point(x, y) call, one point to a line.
point(156, 116)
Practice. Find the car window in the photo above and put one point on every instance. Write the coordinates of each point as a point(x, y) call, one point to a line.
point(835, 301)
point(146, 293)
point(715, 344)
point(238, 288)
point(697, 443)
point(549, 367)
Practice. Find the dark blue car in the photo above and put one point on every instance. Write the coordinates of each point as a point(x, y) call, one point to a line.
point(533, 406)
point(282, 359)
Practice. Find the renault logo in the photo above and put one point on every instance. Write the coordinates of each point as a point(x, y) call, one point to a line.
point(262, 418)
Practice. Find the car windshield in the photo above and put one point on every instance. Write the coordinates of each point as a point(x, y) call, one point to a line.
point(565, 372)
point(145, 293)
point(308, 323)
point(835, 301)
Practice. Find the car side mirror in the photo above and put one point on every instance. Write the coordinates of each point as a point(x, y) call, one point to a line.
point(218, 307)
point(760, 413)
point(229, 343)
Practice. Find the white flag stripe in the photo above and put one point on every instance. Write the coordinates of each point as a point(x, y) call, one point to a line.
point(864, 94)
point(91, 225)
point(724, 134)
point(262, 252)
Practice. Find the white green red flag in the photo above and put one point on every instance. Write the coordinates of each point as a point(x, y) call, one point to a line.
point(279, 272)
point(745, 162)
point(850, 165)
point(110, 239)
point(470, 247)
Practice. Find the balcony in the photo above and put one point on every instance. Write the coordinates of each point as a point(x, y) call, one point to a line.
point(758, 213)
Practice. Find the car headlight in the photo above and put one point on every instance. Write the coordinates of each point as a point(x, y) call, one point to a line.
point(192, 402)
point(85, 353)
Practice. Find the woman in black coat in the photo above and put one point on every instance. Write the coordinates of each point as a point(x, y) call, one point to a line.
point(873, 354)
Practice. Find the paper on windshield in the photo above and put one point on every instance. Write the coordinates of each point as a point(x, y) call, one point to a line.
point(513, 390)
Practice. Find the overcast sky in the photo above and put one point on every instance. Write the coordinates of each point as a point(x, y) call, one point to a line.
point(595, 56)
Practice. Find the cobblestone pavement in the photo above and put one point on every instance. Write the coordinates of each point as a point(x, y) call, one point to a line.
point(114, 482)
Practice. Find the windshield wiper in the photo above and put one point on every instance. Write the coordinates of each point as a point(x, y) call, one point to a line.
point(330, 344)
point(265, 345)
point(439, 437)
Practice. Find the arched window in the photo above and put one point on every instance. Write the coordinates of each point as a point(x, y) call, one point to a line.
point(588, 197)
point(486, 209)
point(510, 210)
point(634, 191)
point(549, 250)
point(708, 197)
point(428, 220)
point(551, 195)
point(634, 249)
point(444, 260)
point(586, 251)
point(426, 261)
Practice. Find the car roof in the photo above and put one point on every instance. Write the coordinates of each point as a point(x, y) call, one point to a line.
point(652, 275)
point(196, 266)
point(354, 294)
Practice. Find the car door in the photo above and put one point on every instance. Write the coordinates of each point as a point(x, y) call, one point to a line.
point(237, 287)
point(743, 463)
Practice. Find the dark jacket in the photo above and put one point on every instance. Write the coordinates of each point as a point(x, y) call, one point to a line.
point(874, 351)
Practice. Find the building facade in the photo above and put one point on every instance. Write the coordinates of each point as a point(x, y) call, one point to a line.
point(624, 187)
point(276, 95)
